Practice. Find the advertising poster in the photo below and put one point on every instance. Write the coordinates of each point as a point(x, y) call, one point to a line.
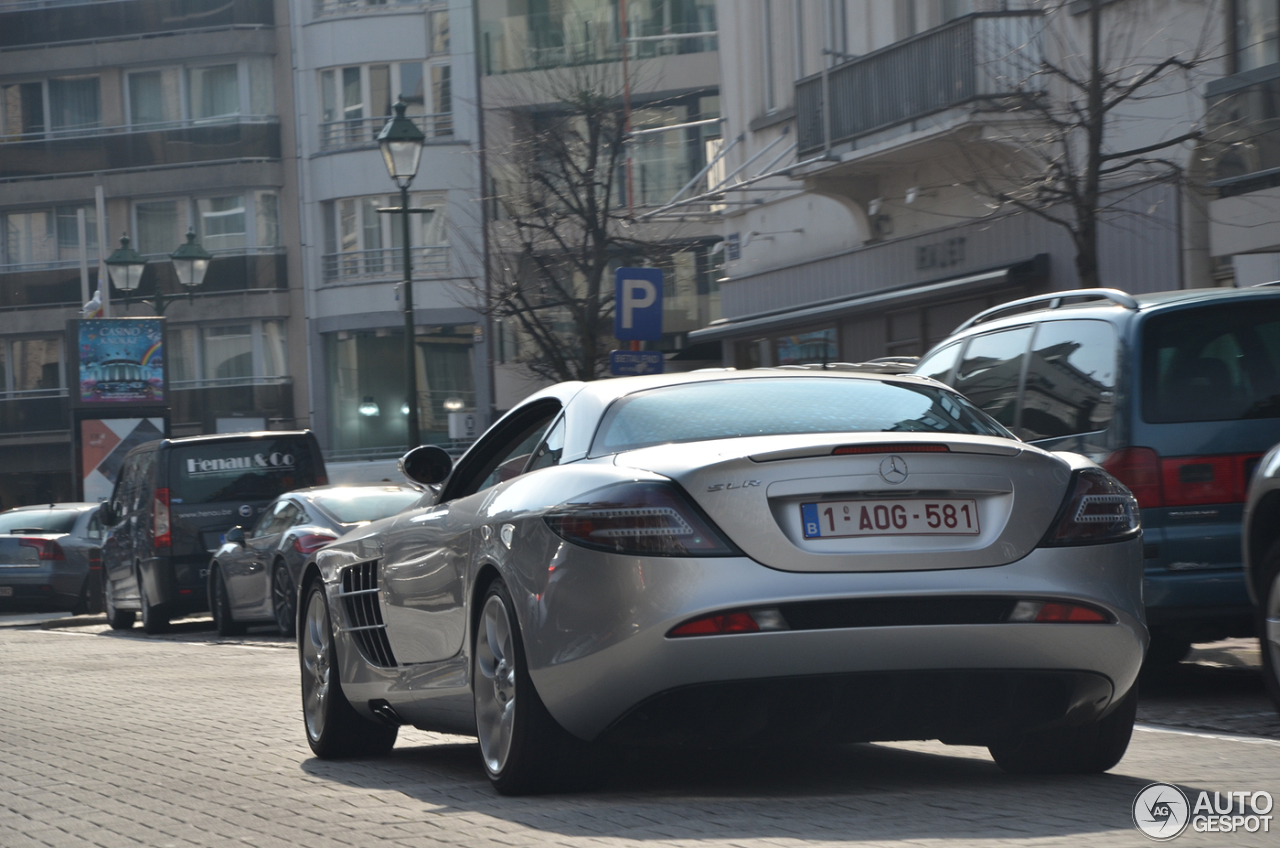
point(121, 361)
point(103, 445)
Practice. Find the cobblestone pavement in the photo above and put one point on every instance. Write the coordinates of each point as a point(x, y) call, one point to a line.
point(113, 739)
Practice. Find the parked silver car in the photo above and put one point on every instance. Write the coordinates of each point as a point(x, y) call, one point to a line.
point(753, 557)
point(1261, 535)
point(51, 556)
point(254, 574)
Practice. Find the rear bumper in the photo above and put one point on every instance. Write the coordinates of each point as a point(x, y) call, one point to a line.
point(1211, 597)
point(597, 646)
point(42, 584)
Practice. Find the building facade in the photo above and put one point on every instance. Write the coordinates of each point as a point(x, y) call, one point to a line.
point(901, 128)
point(147, 117)
point(352, 61)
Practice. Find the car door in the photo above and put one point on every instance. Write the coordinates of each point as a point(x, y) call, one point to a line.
point(118, 546)
point(427, 552)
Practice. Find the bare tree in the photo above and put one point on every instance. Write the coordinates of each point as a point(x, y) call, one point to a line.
point(1057, 158)
point(562, 221)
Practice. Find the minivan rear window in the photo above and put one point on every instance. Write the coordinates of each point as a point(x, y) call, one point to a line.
point(1214, 363)
point(250, 470)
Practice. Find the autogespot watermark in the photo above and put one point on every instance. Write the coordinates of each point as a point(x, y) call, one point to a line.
point(1162, 811)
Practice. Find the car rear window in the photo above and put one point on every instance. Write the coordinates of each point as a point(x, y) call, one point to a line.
point(779, 406)
point(1214, 363)
point(356, 505)
point(39, 520)
point(257, 469)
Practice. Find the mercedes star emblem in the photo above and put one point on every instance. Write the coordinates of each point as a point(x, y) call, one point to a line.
point(893, 469)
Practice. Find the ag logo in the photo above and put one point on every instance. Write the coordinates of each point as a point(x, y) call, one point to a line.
point(893, 469)
point(1161, 811)
point(246, 511)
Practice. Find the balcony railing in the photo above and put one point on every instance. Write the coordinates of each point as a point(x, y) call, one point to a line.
point(332, 8)
point(1243, 131)
point(22, 287)
point(35, 411)
point(203, 402)
point(363, 132)
point(385, 263)
point(978, 56)
point(118, 148)
point(25, 23)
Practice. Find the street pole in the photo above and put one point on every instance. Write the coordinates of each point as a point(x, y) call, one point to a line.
point(410, 358)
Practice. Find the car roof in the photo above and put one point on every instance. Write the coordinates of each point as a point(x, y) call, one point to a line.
point(81, 506)
point(1098, 308)
point(312, 491)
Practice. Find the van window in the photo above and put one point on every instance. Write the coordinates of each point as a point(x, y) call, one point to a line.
point(1071, 379)
point(990, 371)
point(1215, 363)
point(257, 469)
point(938, 365)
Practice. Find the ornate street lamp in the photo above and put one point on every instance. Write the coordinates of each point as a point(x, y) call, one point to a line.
point(190, 262)
point(125, 266)
point(401, 144)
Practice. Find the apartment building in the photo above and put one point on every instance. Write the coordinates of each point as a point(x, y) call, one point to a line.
point(662, 58)
point(353, 60)
point(866, 223)
point(147, 117)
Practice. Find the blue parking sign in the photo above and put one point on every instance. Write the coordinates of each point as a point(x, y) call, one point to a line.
point(637, 313)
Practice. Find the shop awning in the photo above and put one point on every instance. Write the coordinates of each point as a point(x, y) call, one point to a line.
point(806, 316)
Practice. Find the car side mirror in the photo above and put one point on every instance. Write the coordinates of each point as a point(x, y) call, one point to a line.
point(106, 515)
point(235, 536)
point(426, 464)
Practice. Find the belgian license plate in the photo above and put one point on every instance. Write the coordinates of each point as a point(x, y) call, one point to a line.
point(908, 517)
point(6, 591)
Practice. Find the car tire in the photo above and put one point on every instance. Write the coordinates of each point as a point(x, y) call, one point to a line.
point(523, 749)
point(81, 606)
point(1086, 749)
point(118, 619)
point(334, 729)
point(154, 617)
point(284, 599)
point(220, 605)
point(1268, 613)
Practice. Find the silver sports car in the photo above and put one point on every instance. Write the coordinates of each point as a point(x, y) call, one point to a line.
point(735, 557)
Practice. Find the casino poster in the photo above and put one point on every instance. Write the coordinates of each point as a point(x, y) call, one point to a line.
point(121, 361)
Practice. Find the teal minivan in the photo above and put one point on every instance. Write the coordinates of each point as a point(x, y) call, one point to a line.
point(1177, 394)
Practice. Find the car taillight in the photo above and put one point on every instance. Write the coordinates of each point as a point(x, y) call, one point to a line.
point(309, 543)
point(1056, 612)
point(648, 519)
point(160, 520)
point(1139, 470)
point(739, 621)
point(1192, 480)
point(1098, 509)
point(47, 549)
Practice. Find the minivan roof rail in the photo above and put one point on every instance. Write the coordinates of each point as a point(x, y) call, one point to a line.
point(1052, 300)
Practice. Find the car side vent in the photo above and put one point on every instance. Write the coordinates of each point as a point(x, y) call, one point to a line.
point(359, 594)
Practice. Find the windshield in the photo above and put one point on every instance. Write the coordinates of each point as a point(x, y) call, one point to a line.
point(353, 506)
point(249, 470)
point(781, 406)
point(1214, 363)
point(38, 520)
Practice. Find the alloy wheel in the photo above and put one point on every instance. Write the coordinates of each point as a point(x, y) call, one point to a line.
point(282, 598)
point(495, 684)
point(316, 665)
point(1271, 635)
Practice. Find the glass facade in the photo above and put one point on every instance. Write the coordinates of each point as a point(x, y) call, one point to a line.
point(367, 384)
point(517, 35)
point(1257, 33)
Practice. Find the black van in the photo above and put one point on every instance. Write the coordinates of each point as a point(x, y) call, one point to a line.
point(173, 500)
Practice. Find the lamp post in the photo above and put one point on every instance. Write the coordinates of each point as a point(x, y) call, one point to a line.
point(190, 262)
point(401, 143)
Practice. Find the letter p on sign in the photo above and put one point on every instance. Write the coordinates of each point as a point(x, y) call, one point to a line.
point(637, 314)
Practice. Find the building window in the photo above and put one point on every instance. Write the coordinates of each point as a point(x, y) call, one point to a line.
point(802, 348)
point(366, 369)
point(356, 101)
point(55, 107)
point(47, 237)
point(227, 354)
point(227, 223)
point(33, 365)
point(227, 91)
point(363, 243)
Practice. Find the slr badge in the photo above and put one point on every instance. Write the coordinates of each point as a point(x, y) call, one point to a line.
point(893, 469)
